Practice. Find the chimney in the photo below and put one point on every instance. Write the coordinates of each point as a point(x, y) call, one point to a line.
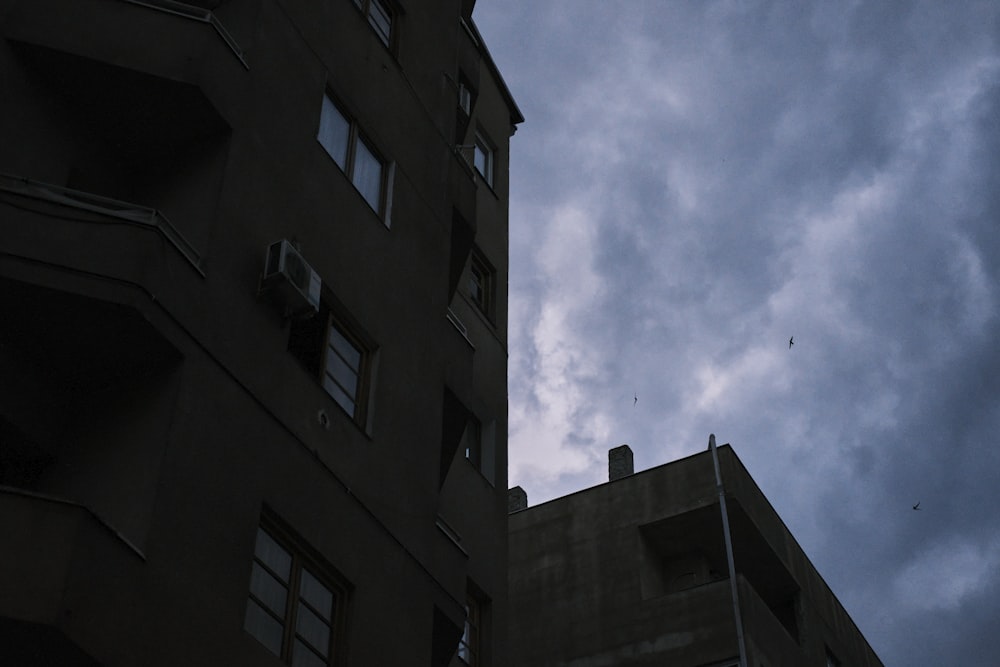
point(517, 499)
point(620, 463)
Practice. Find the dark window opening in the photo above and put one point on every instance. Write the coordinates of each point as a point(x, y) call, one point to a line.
point(473, 442)
point(22, 461)
point(482, 285)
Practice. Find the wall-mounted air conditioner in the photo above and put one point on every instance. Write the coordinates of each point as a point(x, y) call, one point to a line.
point(290, 280)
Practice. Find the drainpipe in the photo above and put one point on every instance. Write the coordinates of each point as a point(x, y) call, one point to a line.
point(733, 585)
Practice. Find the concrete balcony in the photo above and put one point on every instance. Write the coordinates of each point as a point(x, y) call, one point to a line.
point(165, 38)
point(61, 225)
point(62, 240)
point(766, 636)
point(129, 118)
point(62, 569)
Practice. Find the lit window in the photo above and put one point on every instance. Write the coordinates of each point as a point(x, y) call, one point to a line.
point(337, 357)
point(292, 609)
point(483, 158)
point(482, 284)
point(379, 15)
point(342, 140)
point(469, 644)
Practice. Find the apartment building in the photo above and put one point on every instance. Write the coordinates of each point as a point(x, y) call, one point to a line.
point(660, 568)
point(253, 270)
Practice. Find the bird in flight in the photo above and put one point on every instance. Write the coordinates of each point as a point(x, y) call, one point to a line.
point(791, 341)
point(635, 399)
point(917, 506)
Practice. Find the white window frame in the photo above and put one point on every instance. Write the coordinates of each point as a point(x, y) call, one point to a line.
point(470, 645)
point(373, 11)
point(464, 99)
point(333, 117)
point(484, 157)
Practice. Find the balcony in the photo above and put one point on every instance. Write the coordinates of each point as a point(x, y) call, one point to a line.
point(764, 631)
point(88, 204)
point(108, 122)
point(61, 568)
point(159, 37)
point(85, 406)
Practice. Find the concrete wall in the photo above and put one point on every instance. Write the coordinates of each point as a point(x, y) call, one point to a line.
point(634, 572)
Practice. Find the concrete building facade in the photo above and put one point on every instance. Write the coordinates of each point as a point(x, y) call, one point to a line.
point(635, 573)
point(253, 270)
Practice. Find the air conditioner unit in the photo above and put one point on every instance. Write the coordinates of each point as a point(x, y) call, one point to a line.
point(290, 280)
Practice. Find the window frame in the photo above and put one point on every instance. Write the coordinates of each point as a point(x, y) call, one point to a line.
point(388, 10)
point(470, 643)
point(301, 560)
point(309, 341)
point(478, 446)
point(472, 439)
point(466, 96)
point(485, 147)
point(362, 372)
point(483, 275)
point(356, 140)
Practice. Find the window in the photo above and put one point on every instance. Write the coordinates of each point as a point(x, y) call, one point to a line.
point(483, 158)
point(342, 368)
point(380, 17)
point(472, 440)
point(466, 102)
point(464, 98)
point(292, 609)
point(482, 284)
point(354, 154)
point(337, 356)
point(479, 445)
point(469, 645)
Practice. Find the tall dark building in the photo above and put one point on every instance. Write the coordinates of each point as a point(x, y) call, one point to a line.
point(253, 396)
point(636, 573)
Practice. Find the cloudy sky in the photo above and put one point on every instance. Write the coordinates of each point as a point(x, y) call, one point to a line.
point(695, 183)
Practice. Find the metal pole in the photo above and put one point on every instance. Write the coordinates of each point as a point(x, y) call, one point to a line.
point(729, 553)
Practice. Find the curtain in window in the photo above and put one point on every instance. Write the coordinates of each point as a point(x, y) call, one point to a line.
point(334, 132)
point(368, 175)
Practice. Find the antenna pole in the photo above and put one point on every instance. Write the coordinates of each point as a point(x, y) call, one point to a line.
point(733, 584)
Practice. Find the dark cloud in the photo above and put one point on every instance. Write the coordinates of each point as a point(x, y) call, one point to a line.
point(695, 183)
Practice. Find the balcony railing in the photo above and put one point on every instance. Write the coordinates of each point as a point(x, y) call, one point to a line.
point(197, 14)
point(128, 213)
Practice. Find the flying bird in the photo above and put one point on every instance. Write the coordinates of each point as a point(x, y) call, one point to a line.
point(917, 506)
point(791, 341)
point(635, 399)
